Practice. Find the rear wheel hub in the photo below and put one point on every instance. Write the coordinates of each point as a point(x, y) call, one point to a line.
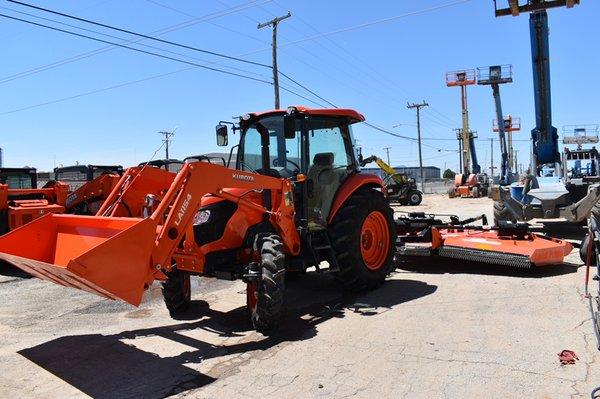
point(374, 240)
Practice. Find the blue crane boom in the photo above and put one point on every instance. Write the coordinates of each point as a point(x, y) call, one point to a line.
point(476, 168)
point(544, 135)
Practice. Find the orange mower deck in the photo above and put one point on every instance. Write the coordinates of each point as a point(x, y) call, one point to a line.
point(488, 246)
point(510, 245)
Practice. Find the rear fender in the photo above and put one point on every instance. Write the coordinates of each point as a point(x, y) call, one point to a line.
point(350, 186)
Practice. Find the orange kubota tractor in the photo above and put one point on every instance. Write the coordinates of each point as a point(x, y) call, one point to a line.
point(296, 199)
point(89, 186)
point(21, 201)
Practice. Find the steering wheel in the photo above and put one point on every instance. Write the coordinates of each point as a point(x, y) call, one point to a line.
point(276, 163)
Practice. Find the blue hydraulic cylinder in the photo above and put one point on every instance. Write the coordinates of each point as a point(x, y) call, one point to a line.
point(476, 168)
point(504, 178)
point(544, 135)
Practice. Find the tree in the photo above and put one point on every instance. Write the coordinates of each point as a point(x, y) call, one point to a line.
point(449, 174)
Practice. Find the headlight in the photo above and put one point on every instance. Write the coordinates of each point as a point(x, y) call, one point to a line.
point(202, 216)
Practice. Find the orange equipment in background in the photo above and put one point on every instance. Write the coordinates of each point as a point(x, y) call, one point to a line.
point(87, 199)
point(89, 185)
point(21, 201)
point(473, 185)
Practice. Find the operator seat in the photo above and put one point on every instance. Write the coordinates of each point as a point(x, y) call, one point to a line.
point(323, 183)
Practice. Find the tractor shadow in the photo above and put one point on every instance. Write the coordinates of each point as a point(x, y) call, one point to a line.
point(453, 266)
point(104, 366)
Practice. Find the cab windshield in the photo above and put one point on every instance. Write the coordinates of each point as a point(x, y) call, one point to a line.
point(18, 181)
point(284, 153)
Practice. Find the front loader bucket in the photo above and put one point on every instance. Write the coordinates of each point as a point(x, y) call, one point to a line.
point(106, 256)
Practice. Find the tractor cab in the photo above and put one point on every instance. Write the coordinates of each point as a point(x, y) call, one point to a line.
point(19, 178)
point(316, 145)
point(77, 175)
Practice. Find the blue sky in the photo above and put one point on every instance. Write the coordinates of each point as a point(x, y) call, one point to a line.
point(375, 69)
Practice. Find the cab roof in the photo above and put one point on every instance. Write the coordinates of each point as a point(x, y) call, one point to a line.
point(340, 112)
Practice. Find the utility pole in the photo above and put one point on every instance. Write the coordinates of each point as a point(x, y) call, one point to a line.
point(167, 140)
point(418, 108)
point(273, 23)
point(460, 149)
point(492, 158)
point(387, 150)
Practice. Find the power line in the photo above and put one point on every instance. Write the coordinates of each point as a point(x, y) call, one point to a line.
point(169, 58)
point(119, 38)
point(87, 93)
point(172, 28)
point(141, 34)
point(134, 49)
point(384, 81)
point(371, 23)
point(307, 89)
point(125, 84)
point(179, 44)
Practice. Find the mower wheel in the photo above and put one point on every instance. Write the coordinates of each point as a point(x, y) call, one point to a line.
point(264, 297)
point(415, 198)
point(177, 291)
point(502, 214)
point(363, 236)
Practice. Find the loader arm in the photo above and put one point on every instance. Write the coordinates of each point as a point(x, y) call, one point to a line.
point(130, 197)
point(387, 169)
point(119, 257)
point(191, 184)
point(94, 190)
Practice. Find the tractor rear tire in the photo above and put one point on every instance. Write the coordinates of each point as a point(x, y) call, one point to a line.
point(502, 214)
point(415, 198)
point(363, 237)
point(595, 213)
point(584, 250)
point(264, 297)
point(177, 292)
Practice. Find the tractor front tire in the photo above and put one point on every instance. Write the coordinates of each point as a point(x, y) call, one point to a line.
point(264, 297)
point(415, 198)
point(502, 214)
point(177, 292)
point(363, 236)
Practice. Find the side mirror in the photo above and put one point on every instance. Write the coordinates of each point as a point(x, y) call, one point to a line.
point(289, 126)
point(222, 139)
